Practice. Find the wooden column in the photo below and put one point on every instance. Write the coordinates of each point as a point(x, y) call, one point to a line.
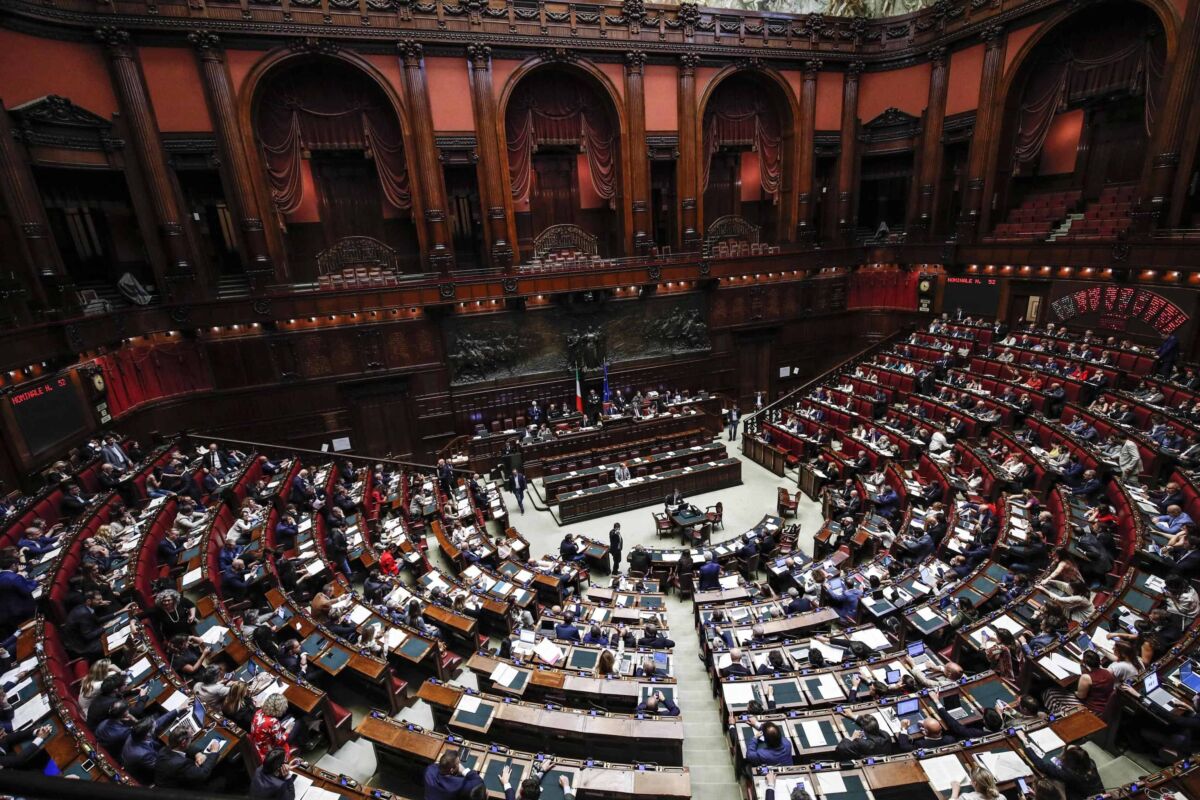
point(988, 121)
point(689, 173)
point(1166, 143)
point(424, 165)
point(806, 152)
point(134, 101)
point(847, 166)
point(931, 138)
point(218, 93)
point(494, 192)
point(39, 252)
point(639, 157)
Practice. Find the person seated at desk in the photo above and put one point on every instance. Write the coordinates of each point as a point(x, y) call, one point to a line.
point(983, 786)
point(596, 635)
point(649, 669)
point(181, 766)
point(1173, 520)
point(621, 473)
point(1075, 770)
point(749, 547)
point(566, 629)
point(930, 733)
point(770, 748)
point(8, 741)
point(710, 574)
point(658, 704)
point(639, 560)
point(449, 779)
point(654, 639)
point(141, 749)
point(797, 603)
point(887, 502)
point(993, 720)
point(568, 549)
point(868, 740)
point(737, 665)
point(672, 502)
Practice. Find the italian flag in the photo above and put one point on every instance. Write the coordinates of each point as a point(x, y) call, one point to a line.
point(578, 393)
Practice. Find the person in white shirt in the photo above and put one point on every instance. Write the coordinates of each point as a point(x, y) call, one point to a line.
point(621, 474)
point(938, 443)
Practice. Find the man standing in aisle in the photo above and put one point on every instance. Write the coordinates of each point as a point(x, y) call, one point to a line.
point(731, 422)
point(518, 487)
point(615, 545)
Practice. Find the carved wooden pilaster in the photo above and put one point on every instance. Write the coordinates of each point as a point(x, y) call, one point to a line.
point(134, 101)
point(424, 164)
point(494, 191)
point(1170, 131)
point(218, 93)
point(805, 149)
point(987, 131)
point(40, 257)
point(639, 162)
point(931, 139)
point(848, 158)
point(689, 147)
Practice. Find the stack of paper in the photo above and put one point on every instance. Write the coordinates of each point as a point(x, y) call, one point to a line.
point(943, 772)
point(1005, 765)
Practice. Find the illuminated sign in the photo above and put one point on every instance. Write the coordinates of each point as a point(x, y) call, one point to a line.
point(1114, 307)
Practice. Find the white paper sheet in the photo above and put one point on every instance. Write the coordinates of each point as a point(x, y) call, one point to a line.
point(943, 772)
point(1005, 765)
point(831, 783)
point(468, 704)
point(175, 701)
point(1046, 740)
point(813, 732)
point(872, 638)
point(738, 694)
point(504, 674)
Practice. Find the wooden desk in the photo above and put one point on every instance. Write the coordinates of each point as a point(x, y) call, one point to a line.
point(766, 455)
point(674, 459)
point(608, 499)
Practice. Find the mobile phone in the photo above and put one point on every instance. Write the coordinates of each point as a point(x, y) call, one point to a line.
point(1024, 787)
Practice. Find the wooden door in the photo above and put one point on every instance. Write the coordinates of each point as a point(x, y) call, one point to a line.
point(554, 197)
point(380, 421)
point(348, 188)
point(756, 358)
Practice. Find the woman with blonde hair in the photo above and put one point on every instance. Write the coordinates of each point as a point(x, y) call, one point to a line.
point(90, 686)
point(237, 707)
point(983, 786)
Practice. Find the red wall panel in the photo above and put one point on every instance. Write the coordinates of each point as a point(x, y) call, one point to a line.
point(751, 177)
point(1062, 143)
point(173, 78)
point(31, 67)
point(449, 94)
point(966, 70)
point(1016, 40)
point(906, 89)
point(662, 98)
point(829, 101)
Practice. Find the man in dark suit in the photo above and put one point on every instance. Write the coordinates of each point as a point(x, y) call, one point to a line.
point(735, 667)
point(1090, 487)
point(215, 461)
point(731, 422)
point(170, 547)
point(179, 767)
point(710, 574)
point(615, 545)
point(74, 502)
point(566, 630)
point(83, 631)
point(519, 485)
point(114, 454)
point(1166, 355)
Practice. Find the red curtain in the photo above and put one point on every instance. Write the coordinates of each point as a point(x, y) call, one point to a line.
point(556, 109)
point(739, 118)
point(333, 109)
point(137, 375)
point(883, 289)
point(1094, 67)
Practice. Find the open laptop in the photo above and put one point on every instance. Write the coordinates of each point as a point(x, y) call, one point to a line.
point(1188, 676)
point(954, 706)
point(909, 711)
point(1153, 692)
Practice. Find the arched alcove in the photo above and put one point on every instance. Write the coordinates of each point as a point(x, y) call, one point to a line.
point(332, 146)
point(747, 152)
